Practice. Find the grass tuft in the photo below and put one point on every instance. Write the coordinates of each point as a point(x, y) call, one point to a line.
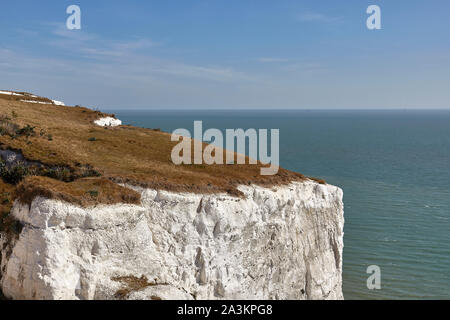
point(13, 174)
point(132, 284)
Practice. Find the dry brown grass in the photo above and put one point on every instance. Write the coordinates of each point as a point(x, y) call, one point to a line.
point(122, 154)
point(24, 96)
point(84, 192)
point(319, 181)
point(133, 284)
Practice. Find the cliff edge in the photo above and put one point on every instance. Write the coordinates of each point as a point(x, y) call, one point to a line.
point(83, 223)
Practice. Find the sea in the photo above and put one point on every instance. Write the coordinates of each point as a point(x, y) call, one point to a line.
point(394, 169)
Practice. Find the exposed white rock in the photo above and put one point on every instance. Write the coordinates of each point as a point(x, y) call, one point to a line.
point(10, 93)
point(58, 103)
point(108, 122)
point(34, 101)
point(280, 243)
point(55, 102)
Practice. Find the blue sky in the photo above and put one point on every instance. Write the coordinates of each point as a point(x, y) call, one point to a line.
point(229, 54)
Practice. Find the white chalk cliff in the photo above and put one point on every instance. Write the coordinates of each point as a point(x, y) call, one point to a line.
point(279, 243)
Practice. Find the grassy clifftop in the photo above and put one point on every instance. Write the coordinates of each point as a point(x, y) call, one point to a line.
point(71, 158)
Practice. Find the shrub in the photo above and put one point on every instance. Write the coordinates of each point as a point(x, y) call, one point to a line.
point(90, 173)
point(8, 128)
point(50, 137)
point(93, 193)
point(13, 130)
point(59, 173)
point(92, 139)
point(15, 173)
point(27, 131)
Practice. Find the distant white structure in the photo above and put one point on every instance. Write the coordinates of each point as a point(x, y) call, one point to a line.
point(58, 103)
point(108, 122)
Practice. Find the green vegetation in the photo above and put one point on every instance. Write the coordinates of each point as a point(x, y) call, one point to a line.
point(7, 127)
point(93, 193)
point(13, 174)
point(27, 131)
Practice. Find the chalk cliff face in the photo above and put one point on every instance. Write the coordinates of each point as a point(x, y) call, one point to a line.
point(279, 243)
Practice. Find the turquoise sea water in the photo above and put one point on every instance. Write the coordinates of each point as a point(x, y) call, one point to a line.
point(394, 168)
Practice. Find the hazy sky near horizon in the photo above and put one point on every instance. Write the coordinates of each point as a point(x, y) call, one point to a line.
point(229, 53)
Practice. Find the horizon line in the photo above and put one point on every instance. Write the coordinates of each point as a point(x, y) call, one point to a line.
point(279, 109)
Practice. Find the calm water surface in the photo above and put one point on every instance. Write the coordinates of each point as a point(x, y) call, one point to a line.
point(394, 168)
